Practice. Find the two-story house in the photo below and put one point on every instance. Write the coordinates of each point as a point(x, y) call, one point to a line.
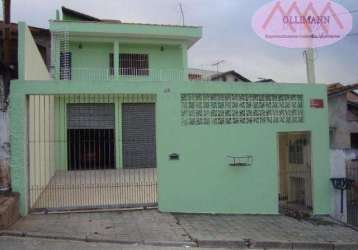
point(117, 123)
point(343, 129)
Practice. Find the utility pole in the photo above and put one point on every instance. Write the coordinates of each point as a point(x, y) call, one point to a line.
point(182, 14)
point(6, 74)
point(6, 35)
point(310, 65)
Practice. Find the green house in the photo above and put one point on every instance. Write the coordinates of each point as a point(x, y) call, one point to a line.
point(115, 122)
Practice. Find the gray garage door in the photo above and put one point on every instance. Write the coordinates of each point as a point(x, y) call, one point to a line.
point(90, 116)
point(138, 124)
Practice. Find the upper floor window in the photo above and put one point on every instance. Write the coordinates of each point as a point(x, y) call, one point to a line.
point(131, 64)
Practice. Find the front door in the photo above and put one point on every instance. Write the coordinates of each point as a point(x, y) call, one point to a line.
point(138, 126)
point(295, 170)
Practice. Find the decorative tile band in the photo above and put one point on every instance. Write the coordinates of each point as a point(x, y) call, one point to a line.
point(214, 109)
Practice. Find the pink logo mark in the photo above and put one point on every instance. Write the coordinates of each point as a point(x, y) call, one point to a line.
point(304, 24)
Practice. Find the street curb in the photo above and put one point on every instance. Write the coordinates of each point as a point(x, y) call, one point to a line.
point(249, 244)
point(237, 244)
point(222, 243)
point(96, 240)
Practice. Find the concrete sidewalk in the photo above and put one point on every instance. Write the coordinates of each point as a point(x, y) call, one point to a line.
point(151, 228)
point(267, 232)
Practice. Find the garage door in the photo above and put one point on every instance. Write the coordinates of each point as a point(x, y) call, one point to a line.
point(138, 124)
point(90, 116)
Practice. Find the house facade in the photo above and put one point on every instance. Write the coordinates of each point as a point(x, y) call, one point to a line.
point(343, 129)
point(343, 116)
point(118, 123)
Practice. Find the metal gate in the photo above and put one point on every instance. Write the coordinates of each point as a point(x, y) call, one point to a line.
point(139, 136)
point(90, 136)
point(352, 194)
point(295, 184)
point(75, 160)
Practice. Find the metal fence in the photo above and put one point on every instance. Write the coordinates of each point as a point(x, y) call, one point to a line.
point(352, 195)
point(75, 154)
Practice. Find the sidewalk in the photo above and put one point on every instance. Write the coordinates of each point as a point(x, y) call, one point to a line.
point(151, 228)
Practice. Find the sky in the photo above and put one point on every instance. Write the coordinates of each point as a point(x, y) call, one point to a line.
point(227, 35)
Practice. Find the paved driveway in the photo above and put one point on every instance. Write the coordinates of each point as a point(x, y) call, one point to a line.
point(144, 227)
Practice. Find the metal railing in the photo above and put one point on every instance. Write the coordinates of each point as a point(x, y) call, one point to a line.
point(125, 74)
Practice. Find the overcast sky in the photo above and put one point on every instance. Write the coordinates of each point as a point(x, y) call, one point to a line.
point(227, 35)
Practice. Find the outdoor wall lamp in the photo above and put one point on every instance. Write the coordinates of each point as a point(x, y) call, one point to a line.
point(162, 48)
point(240, 161)
point(80, 46)
point(342, 184)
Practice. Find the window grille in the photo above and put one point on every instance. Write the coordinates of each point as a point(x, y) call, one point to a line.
point(60, 56)
point(215, 109)
point(131, 64)
point(65, 66)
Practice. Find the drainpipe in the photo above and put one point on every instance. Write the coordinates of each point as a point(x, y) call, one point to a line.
point(6, 52)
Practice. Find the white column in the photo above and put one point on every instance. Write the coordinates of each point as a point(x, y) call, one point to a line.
point(116, 59)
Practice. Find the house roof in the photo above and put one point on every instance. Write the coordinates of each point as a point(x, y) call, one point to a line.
point(231, 72)
point(34, 30)
point(80, 24)
point(335, 89)
point(268, 80)
point(73, 13)
point(87, 18)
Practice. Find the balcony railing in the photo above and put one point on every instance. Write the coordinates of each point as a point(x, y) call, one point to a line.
point(125, 74)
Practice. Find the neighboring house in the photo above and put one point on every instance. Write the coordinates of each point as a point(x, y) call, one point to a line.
point(200, 74)
point(343, 116)
point(43, 42)
point(343, 132)
point(42, 38)
point(229, 76)
point(208, 75)
point(119, 124)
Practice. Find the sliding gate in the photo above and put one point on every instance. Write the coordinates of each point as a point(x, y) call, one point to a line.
point(78, 158)
point(352, 194)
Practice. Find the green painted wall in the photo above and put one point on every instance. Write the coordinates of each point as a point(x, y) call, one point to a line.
point(91, 59)
point(201, 181)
